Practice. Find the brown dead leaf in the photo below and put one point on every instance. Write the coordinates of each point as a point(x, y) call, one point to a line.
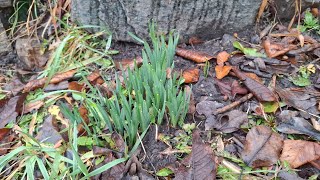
point(4, 132)
point(125, 63)
point(196, 56)
point(261, 92)
point(195, 40)
point(84, 114)
point(222, 57)
point(55, 87)
point(30, 53)
point(93, 76)
point(15, 86)
point(11, 109)
point(227, 122)
point(76, 86)
point(202, 162)
point(38, 83)
point(48, 132)
point(274, 50)
point(115, 172)
point(191, 75)
point(236, 88)
point(222, 71)
point(32, 106)
point(262, 147)
point(299, 152)
point(254, 77)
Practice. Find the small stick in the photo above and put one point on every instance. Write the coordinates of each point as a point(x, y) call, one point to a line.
point(234, 104)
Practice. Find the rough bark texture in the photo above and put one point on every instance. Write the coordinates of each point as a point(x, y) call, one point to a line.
point(202, 18)
point(5, 3)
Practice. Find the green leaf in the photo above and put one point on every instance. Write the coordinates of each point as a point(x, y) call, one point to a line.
point(270, 107)
point(238, 45)
point(300, 81)
point(164, 172)
point(85, 141)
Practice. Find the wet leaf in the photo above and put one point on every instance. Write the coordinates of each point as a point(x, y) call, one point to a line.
point(236, 88)
point(84, 115)
point(270, 107)
point(297, 125)
point(15, 86)
point(202, 162)
point(254, 77)
point(261, 92)
point(115, 172)
point(4, 132)
point(222, 71)
point(262, 147)
point(38, 83)
point(300, 81)
point(222, 57)
point(6, 140)
point(196, 56)
point(164, 172)
point(226, 123)
point(93, 76)
point(299, 152)
point(274, 50)
point(55, 87)
point(191, 75)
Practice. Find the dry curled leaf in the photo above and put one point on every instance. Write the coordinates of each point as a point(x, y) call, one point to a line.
point(196, 56)
point(262, 147)
point(222, 71)
point(38, 83)
point(299, 152)
point(191, 75)
point(222, 57)
point(274, 50)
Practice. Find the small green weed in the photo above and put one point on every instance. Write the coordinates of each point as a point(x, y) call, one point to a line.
point(302, 79)
point(310, 23)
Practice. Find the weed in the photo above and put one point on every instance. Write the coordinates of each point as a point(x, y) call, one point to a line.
point(310, 23)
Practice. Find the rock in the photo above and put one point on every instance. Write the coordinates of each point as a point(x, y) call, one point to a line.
point(202, 18)
point(5, 46)
point(5, 3)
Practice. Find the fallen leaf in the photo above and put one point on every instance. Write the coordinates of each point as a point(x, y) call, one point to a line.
point(11, 109)
point(261, 92)
point(4, 132)
point(191, 75)
point(262, 147)
point(128, 63)
point(297, 98)
point(316, 124)
point(299, 152)
point(227, 122)
point(84, 114)
point(274, 50)
point(164, 172)
point(76, 86)
point(196, 56)
point(270, 107)
point(208, 108)
point(222, 71)
point(298, 125)
point(195, 40)
point(48, 132)
point(263, 6)
point(93, 76)
point(15, 86)
point(120, 145)
point(247, 51)
point(32, 106)
point(236, 88)
point(38, 83)
point(222, 57)
point(115, 172)
point(254, 77)
point(202, 162)
point(30, 53)
point(55, 87)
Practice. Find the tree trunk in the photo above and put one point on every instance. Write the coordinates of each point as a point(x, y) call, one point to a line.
point(201, 18)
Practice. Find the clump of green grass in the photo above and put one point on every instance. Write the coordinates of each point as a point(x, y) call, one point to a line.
point(310, 23)
point(146, 94)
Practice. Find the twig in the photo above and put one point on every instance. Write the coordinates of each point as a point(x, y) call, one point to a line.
point(234, 104)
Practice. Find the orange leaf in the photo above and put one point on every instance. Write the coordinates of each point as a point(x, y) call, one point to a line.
point(93, 76)
point(125, 63)
point(191, 75)
point(196, 56)
point(222, 57)
point(222, 71)
point(255, 77)
point(76, 86)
